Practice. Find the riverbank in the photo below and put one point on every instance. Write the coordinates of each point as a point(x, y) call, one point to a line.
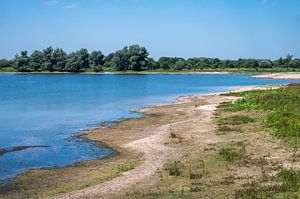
point(284, 76)
point(204, 71)
point(127, 136)
point(176, 150)
point(120, 72)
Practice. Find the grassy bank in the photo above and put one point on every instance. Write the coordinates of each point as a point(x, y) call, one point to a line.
point(252, 153)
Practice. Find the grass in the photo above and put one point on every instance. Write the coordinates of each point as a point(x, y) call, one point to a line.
point(174, 168)
point(7, 70)
point(236, 120)
point(278, 112)
point(286, 185)
point(282, 110)
point(44, 183)
point(231, 154)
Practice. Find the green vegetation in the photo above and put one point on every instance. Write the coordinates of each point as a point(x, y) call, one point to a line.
point(231, 154)
point(278, 112)
point(282, 110)
point(136, 58)
point(285, 185)
point(174, 168)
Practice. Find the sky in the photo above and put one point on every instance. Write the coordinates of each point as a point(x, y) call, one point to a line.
point(227, 29)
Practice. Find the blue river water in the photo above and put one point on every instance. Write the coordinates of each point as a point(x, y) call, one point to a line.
point(46, 110)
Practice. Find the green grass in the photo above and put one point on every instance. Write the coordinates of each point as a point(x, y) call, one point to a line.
point(8, 69)
point(286, 185)
point(233, 152)
point(282, 108)
point(236, 120)
point(174, 168)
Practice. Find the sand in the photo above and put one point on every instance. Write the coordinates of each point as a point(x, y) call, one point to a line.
point(286, 76)
point(151, 142)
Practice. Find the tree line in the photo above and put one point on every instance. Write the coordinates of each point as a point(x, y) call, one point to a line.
point(132, 58)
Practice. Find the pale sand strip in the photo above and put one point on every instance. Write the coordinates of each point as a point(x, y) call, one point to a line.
point(286, 76)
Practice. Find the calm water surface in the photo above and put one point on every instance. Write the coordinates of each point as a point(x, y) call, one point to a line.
point(46, 110)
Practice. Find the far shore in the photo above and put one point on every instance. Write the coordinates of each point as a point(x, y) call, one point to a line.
point(121, 72)
point(283, 76)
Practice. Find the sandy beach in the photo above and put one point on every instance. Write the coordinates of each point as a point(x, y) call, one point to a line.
point(150, 136)
point(183, 130)
point(285, 76)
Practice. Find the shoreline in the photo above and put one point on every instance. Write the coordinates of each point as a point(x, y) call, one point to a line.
point(137, 144)
point(119, 73)
point(132, 135)
point(279, 76)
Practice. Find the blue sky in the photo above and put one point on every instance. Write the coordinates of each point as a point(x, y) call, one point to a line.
point(184, 28)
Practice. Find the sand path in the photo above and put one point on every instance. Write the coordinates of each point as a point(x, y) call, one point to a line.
point(154, 149)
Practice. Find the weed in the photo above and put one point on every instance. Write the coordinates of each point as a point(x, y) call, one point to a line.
point(231, 154)
point(174, 168)
point(290, 179)
point(127, 166)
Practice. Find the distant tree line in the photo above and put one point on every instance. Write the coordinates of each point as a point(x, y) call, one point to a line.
point(134, 57)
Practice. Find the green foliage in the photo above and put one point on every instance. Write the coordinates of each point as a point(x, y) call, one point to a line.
point(127, 166)
point(48, 59)
point(22, 62)
point(287, 185)
point(136, 58)
point(59, 58)
point(96, 60)
point(282, 107)
point(236, 120)
point(4, 63)
point(290, 179)
point(36, 60)
point(174, 168)
point(232, 154)
point(130, 58)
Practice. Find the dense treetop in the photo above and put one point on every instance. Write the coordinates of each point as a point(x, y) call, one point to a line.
point(132, 58)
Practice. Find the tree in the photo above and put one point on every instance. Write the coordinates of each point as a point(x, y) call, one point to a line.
point(121, 59)
point(152, 64)
point(36, 60)
point(168, 62)
point(22, 62)
point(295, 63)
point(180, 64)
point(83, 55)
point(265, 63)
point(4, 63)
point(59, 59)
point(74, 64)
point(96, 60)
point(288, 60)
point(77, 61)
point(138, 57)
point(48, 59)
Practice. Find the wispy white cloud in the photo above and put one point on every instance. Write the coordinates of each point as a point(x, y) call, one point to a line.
point(70, 6)
point(51, 2)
